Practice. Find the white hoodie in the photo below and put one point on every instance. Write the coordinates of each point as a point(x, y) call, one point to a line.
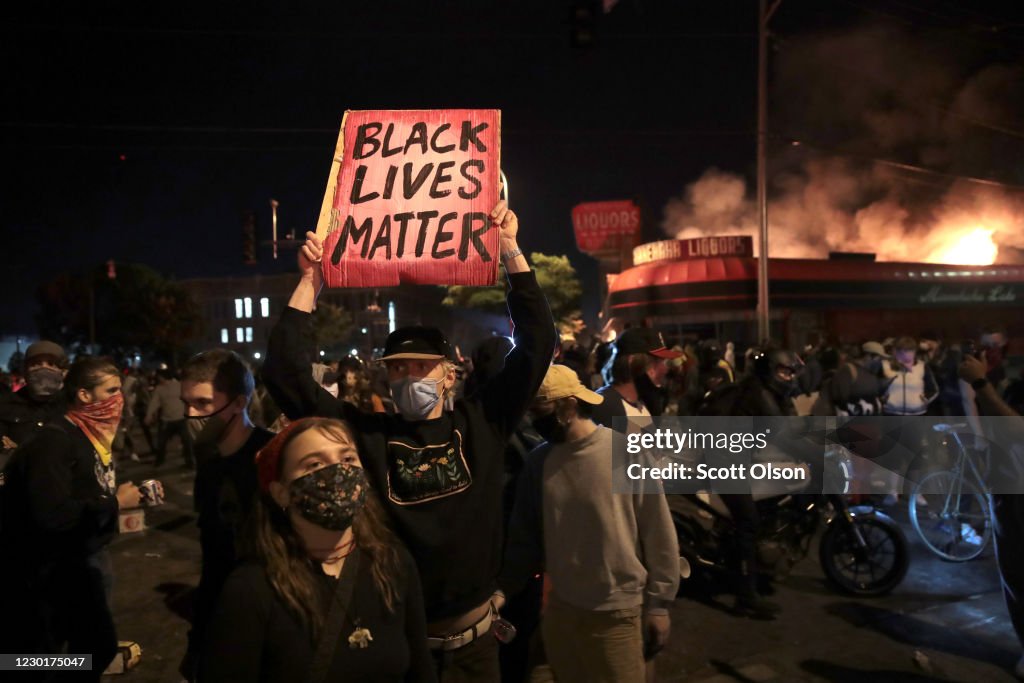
point(909, 393)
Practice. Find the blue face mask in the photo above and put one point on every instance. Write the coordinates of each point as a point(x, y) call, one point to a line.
point(415, 397)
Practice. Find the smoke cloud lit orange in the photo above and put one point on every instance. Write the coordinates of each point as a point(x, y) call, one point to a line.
point(816, 211)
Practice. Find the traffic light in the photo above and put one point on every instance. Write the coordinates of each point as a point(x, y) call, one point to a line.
point(583, 20)
point(249, 237)
point(111, 270)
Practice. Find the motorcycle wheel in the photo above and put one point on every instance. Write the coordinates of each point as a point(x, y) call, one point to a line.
point(871, 571)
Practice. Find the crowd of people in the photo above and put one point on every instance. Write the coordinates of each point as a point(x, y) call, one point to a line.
point(382, 523)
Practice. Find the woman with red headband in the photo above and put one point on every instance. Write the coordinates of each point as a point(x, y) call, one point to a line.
point(332, 595)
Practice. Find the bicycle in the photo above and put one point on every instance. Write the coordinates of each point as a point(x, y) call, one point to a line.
point(951, 510)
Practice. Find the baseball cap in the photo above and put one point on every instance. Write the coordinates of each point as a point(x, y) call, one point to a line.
point(562, 381)
point(45, 348)
point(417, 342)
point(644, 340)
point(875, 348)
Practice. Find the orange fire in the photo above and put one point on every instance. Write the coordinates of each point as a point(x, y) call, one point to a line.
point(972, 248)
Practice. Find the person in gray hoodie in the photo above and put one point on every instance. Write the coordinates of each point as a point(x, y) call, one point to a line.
point(612, 559)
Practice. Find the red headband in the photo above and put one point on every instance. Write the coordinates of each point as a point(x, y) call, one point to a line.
point(268, 457)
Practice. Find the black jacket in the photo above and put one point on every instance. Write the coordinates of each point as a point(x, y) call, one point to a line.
point(22, 416)
point(55, 507)
point(440, 479)
point(256, 637)
point(757, 400)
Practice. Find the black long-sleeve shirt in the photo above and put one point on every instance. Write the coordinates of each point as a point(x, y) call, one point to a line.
point(58, 499)
point(226, 488)
point(440, 479)
point(255, 638)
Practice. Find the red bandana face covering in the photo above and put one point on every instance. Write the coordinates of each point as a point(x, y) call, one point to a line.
point(98, 421)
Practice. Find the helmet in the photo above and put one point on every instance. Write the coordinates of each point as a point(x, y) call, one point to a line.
point(778, 368)
point(709, 352)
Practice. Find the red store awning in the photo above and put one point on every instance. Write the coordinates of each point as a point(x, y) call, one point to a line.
point(729, 283)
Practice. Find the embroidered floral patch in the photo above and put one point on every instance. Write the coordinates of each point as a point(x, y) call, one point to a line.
point(417, 473)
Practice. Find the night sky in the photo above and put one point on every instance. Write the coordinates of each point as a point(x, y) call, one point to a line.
point(141, 132)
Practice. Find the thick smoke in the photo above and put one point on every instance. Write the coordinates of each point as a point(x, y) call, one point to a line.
point(831, 124)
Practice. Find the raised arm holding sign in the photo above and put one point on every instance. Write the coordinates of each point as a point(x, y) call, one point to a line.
point(311, 254)
point(439, 471)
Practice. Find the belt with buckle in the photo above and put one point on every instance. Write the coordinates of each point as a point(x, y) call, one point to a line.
point(462, 638)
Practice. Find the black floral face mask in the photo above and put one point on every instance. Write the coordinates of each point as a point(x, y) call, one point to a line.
point(331, 497)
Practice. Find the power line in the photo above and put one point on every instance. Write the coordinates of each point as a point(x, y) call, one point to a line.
point(918, 103)
point(159, 128)
point(264, 130)
point(927, 12)
point(164, 148)
point(365, 34)
point(943, 29)
point(992, 23)
point(801, 142)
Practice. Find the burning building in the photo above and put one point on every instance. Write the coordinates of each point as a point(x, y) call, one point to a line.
point(708, 286)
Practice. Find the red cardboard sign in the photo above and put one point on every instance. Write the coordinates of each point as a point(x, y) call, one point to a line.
point(409, 199)
point(603, 226)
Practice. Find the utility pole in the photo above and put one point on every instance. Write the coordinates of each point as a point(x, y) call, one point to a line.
point(764, 15)
point(111, 275)
point(273, 223)
point(92, 315)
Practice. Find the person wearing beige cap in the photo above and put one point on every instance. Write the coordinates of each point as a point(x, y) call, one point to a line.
point(612, 559)
point(24, 412)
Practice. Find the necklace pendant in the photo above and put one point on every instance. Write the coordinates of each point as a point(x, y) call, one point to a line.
point(360, 638)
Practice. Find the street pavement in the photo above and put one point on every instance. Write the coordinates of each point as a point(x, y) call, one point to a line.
point(945, 622)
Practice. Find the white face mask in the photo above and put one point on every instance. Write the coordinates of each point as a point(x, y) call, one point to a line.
point(415, 398)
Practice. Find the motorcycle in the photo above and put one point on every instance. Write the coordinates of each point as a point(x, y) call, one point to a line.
point(862, 551)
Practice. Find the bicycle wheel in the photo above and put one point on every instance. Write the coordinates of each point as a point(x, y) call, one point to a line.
point(952, 515)
point(982, 461)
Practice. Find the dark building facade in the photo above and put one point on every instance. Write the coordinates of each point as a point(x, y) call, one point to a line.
point(239, 312)
point(847, 299)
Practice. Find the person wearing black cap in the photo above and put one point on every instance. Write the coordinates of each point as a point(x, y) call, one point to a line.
point(440, 472)
point(635, 372)
point(23, 413)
